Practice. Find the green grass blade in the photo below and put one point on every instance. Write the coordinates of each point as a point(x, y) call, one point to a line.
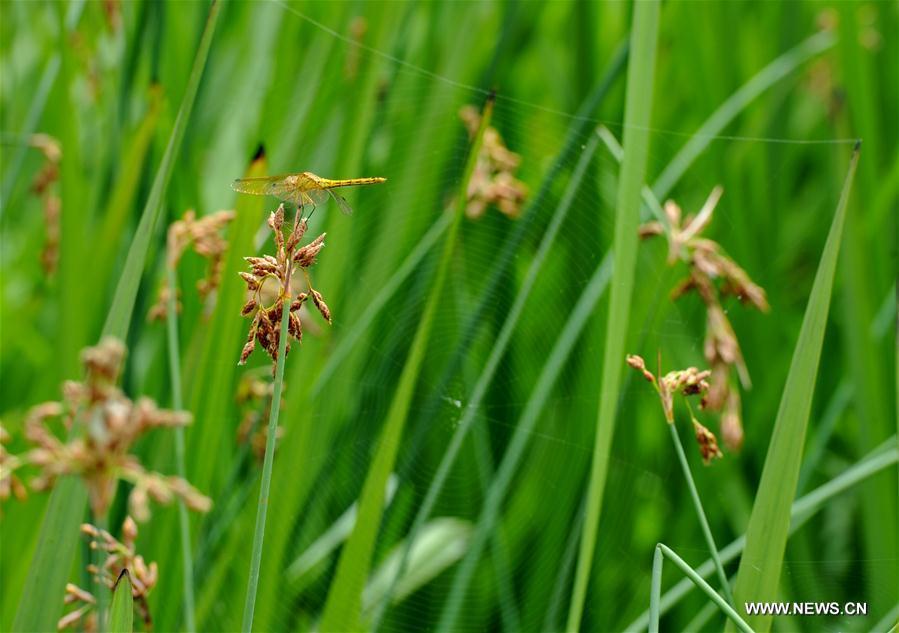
point(637, 113)
point(331, 539)
point(358, 329)
point(51, 70)
point(36, 109)
point(124, 192)
point(700, 512)
point(343, 607)
point(59, 531)
point(460, 584)
point(119, 316)
point(887, 623)
point(441, 544)
point(662, 552)
point(42, 604)
point(215, 370)
point(174, 355)
point(736, 103)
point(565, 572)
point(121, 613)
point(802, 510)
point(498, 351)
point(766, 536)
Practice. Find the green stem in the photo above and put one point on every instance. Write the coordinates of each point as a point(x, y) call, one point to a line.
point(100, 589)
point(637, 118)
point(655, 594)
point(259, 533)
point(655, 590)
point(178, 404)
point(801, 511)
point(700, 513)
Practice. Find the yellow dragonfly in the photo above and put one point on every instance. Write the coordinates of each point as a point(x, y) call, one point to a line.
point(301, 189)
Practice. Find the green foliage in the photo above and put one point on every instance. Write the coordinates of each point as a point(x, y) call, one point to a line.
point(766, 536)
point(485, 426)
point(121, 613)
point(637, 117)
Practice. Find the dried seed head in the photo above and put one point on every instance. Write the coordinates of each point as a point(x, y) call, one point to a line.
point(112, 423)
point(708, 444)
point(295, 328)
point(266, 327)
point(298, 302)
point(251, 280)
point(105, 360)
point(493, 180)
point(731, 423)
point(710, 265)
point(204, 237)
point(639, 364)
point(319, 302)
point(276, 221)
point(305, 257)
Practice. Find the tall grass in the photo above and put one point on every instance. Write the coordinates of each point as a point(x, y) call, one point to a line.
point(343, 608)
point(766, 536)
point(637, 116)
point(38, 609)
point(346, 90)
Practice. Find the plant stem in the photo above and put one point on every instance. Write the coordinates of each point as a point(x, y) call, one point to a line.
point(100, 589)
point(801, 511)
point(655, 594)
point(262, 508)
point(178, 404)
point(700, 513)
point(637, 117)
point(655, 590)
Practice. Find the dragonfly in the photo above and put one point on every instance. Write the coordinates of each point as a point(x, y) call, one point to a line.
point(302, 189)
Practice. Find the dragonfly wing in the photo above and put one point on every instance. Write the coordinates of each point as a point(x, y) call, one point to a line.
point(342, 203)
point(318, 197)
point(269, 186)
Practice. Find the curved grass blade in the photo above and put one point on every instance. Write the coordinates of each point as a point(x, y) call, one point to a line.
point(121, 614)
point(442, 543)
point(801, 511)
point(40, 605)
point(343, 607)
point(637, 113)
point(662, 552)
point(766, 536)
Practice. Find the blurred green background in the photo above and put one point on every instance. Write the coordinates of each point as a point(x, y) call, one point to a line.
point(374, 89)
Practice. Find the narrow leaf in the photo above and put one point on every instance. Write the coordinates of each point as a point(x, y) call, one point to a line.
point(344, 604)
point(766, 536)
point(637, 114)
point(121, 614)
